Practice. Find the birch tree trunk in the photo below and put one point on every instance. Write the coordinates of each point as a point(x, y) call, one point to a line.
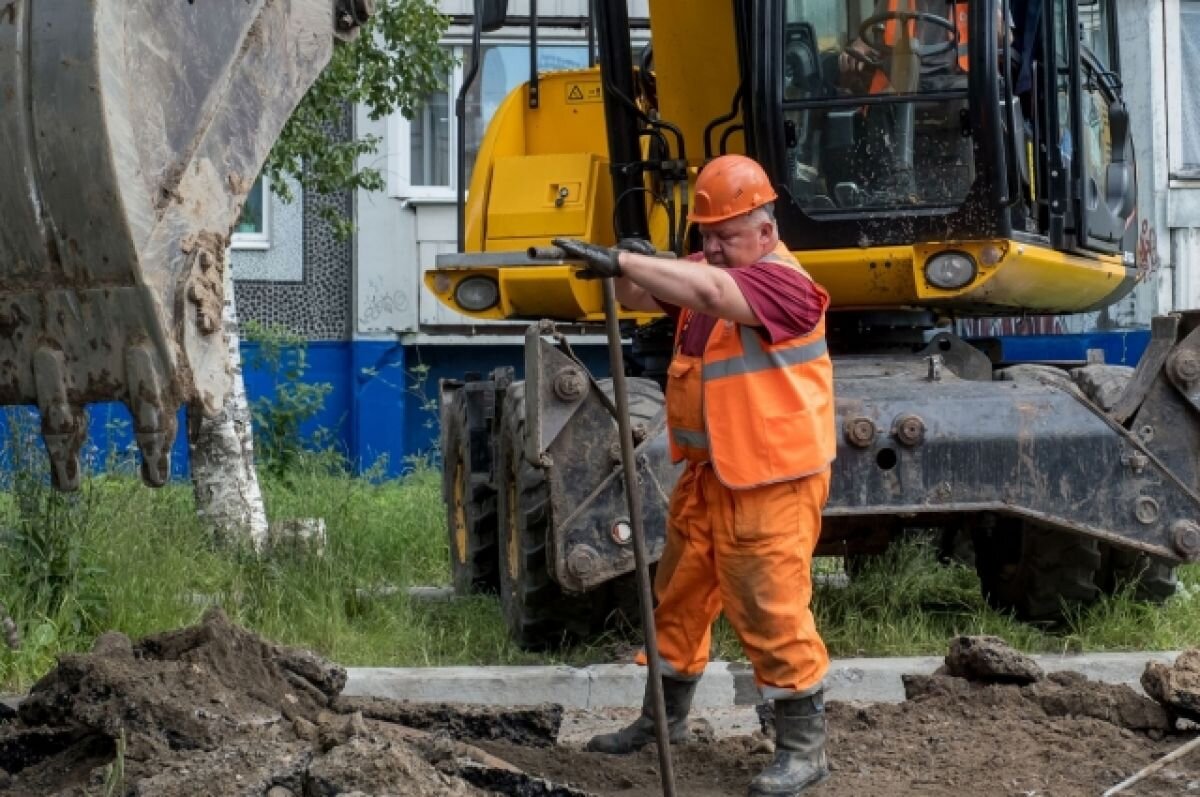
point(224, 478)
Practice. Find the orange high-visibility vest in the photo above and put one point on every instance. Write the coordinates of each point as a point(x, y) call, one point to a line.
point(879, 81)
point(760, 412)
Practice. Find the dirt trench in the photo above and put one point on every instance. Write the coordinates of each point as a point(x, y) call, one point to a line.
point(215, 710)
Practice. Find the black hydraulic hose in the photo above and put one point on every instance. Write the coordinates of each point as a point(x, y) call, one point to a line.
point(1011, 141)
point(621, 116)
point(727, 133)
point(591, 33)
point(460, 110)
point(633, 496)
point(533, 54)
point(721, 120)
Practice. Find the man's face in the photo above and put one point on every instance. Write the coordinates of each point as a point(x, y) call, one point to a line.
point(740, 241)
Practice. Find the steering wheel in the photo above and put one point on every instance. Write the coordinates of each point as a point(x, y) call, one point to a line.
point(872, 28)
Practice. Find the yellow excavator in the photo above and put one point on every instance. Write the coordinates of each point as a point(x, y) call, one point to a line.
point(935, 160)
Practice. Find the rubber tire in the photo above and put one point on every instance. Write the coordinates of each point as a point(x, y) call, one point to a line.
point(470, 509)
point(1037, 574)
point(616, 605)
point(1032, 372)
point(1102, 384)
point(539, 614)
point(1154, 580)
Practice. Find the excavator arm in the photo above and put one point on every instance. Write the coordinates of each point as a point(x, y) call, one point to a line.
point(130, 135)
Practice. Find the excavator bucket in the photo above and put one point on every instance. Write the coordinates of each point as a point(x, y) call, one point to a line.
point(131, 132)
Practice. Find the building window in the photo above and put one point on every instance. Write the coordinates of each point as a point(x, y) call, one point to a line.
point(252, 230)
point(421, 149)
point(429, 141)
point(1189, 68)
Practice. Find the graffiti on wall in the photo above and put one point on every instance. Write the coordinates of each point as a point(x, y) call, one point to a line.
point(380, 303)
point(1021, 325)
point(1148, 262)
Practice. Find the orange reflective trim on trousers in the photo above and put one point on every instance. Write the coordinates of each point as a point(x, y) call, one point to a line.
point(750, 553)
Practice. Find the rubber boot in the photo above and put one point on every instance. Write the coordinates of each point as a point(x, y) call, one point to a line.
point(677, 695)
point(799, 748)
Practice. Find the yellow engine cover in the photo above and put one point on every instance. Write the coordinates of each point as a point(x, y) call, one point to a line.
point(536, 197)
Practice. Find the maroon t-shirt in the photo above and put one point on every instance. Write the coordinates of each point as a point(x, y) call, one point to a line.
point(787, 303)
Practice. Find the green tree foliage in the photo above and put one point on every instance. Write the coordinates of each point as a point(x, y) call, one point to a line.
point(279, 415)
point(395, 61)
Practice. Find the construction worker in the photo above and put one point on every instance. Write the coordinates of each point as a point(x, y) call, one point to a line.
point(750, 409)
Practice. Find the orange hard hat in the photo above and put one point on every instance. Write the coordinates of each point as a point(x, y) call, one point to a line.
point(730, 186)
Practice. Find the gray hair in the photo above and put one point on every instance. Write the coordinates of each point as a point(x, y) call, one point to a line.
point(766, 212)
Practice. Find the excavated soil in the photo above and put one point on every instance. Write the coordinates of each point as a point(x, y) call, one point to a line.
point(216, 710)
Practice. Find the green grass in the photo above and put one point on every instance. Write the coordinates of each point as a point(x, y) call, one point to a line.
point(136, 560)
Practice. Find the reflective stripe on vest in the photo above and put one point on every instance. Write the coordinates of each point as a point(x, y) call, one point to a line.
point(687, 439)
point(755, 358)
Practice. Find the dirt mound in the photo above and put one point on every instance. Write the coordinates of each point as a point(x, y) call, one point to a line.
point(1177, 686)
point(214, 709)
point(978, 733)
point(989, 658)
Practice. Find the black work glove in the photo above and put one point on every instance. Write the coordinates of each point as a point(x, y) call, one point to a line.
point(638, 246)
point(601, 260)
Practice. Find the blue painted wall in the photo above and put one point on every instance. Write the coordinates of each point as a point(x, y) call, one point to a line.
point(1121, 347)
point(383, 398)
point(382, 402)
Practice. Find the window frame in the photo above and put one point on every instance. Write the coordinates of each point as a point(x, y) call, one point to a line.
point(1180, 175)
point(257, 241)
point(399, 155)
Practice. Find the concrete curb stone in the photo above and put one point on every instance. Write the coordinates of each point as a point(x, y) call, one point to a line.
point(724, 684)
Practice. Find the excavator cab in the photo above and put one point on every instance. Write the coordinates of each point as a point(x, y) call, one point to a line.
point(985, 126)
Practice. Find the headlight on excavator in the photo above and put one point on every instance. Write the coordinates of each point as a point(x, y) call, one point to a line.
point(477, 294)
point(950, 270)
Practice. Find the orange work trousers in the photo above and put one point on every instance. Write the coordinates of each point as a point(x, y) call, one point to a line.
point(749, 553)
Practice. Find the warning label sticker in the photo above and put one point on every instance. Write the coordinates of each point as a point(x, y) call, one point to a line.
point(580, 91)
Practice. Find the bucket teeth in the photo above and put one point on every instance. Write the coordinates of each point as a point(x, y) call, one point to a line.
point(153, 422)
point(64, 424)
point(156, 456)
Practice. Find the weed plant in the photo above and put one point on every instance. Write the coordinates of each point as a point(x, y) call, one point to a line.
point(279, 415)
